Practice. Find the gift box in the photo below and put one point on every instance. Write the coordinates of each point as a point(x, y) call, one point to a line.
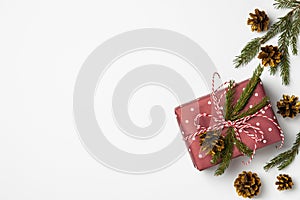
point(187, 116)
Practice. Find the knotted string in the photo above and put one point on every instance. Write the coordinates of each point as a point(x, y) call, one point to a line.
point(241, 125)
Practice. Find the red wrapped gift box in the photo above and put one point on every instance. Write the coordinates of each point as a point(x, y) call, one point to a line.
point(186, 114)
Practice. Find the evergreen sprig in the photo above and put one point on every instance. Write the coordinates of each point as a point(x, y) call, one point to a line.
point(295, 32)
point(216, 157)
point(247, 93)
point(242, 147)
point(289, 28)
point(248, 52)
point(226, 153)
point(276, 28)
point(229, 100)
point(286, 158)
point(232, 113)
point(283, 43)
point(254, 109)
point(286, 4)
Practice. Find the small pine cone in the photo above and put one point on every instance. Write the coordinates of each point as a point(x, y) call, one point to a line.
point(284, 182)
point(259, 21)
point(247, 184)
point(270, 56)
point(288, 106)
point(212, 142)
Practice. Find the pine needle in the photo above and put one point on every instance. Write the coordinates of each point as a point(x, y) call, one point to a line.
point(226, 153)
point(242, 147)
point(247, 93)
point(295, 32)
point(283, 43)
point(254, 109)
point(289, 29)
point(216, 157)
point(273, 70)
point(276, 28)
point(285, 4)
point(229, 100)
point(232, 113)
point(286, 158)
point(248, 53)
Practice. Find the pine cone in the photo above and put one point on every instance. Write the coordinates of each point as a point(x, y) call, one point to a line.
point(259, 22)
point(212, 142)
point(270, 55)
point(288, 106)
point(247, 184)
point(284, 182)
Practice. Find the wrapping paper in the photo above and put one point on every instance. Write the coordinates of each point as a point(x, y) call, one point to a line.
point(187, 112)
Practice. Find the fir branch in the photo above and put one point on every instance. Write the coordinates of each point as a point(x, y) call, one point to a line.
point(276, 28)
point(248, 52)
point(229, 100)
point(283, 43)
point(285, 4)
point(286, 158)
point(247, 93)
point(273, 70)
point(278, 159)
point(287, 162)
point(273, 31)
point(242, 147)
point(285, 66)
point(295, 31)
point(289, 29)
point(253, 47)
point(254, 109)
point(216, 157)
point(226, 153)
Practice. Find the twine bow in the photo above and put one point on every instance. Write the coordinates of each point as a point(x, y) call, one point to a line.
point(240, 125)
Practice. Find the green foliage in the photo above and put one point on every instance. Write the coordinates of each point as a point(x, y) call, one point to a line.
point(242, 147)
point(283, 44)
point(226, 153)
point(248, 52)
point(285, 66)
point(216, 157)
point(286, 4)
point(229, 100)
point(254, 109)
point(295, 31)
point(286, 158)
point(232, 113)
point(289, 28)
point(276, 28)
point(247, 93)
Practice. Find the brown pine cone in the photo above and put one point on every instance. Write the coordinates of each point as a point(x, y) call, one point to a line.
point(212, 142)
point(270, 56)
point(247, 184)
point(259, 21)
point(284, 182)
point(288, 106)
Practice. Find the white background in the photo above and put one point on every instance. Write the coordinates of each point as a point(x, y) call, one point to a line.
point(43, 45)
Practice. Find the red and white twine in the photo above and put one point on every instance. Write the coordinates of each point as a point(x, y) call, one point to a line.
point(240, 125)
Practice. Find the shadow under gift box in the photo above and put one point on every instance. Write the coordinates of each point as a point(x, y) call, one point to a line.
point(187, 112)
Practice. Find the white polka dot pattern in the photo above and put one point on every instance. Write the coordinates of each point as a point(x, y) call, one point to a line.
point(241, 125)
